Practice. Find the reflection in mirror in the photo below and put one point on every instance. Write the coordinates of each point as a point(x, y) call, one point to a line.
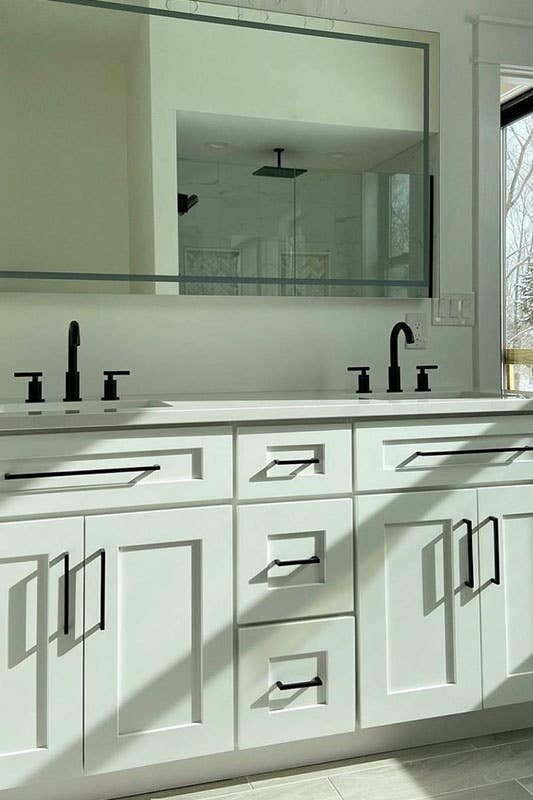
point(135, 165)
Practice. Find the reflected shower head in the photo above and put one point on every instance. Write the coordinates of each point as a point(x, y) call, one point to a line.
point(279, 171)
point(186, 202)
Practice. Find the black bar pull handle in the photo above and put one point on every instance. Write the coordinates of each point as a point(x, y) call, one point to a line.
point(301, 461)
point(286, 687)
point(102, 588)
point(297, 562)
point(19, 476)
point(470, 551)
point(496, 528)
point(66, 594)
point(472, 451)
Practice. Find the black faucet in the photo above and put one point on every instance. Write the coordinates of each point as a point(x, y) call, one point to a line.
point(72, 376)
point(395, 382)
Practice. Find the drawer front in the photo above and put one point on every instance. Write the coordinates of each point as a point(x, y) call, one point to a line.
point(287, 462)
point(114, 469)
point(296, 681)
point(294, 560)
point(455, 453)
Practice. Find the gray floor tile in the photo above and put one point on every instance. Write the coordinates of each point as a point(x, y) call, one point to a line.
point(306, 790)
point(528, 783)
point(222, 789)
point(510, 790)
point(348, 765)
point(502, 738)
point(434, 776)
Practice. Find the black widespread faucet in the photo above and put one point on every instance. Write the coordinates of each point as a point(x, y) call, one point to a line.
point(72, 376)
point(395, 383)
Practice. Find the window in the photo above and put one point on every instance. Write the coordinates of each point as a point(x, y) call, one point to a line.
point(517, 234)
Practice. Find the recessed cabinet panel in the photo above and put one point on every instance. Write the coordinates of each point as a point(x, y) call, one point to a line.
point(506, 558)
point(65, 472)
point(283, 462)
point(296, 681)
point(294, 560)
point(41, 565)
point(458, 452)
point(159, 648)
point(418, 622)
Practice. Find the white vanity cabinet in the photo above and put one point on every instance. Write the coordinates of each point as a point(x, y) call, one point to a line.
point(159, 637)
point(41, 649)
point(419, 648)
point(444, 578)
point(505, 536)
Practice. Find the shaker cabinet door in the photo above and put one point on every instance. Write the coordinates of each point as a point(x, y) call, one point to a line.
point(419, 651)
point(506, 584)
point(159, 637)
point(41, 634)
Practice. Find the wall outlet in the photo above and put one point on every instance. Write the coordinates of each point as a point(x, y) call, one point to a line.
point(418, 322)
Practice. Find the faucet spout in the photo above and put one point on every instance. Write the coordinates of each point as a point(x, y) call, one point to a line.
point(395, 384)
point(72, 376)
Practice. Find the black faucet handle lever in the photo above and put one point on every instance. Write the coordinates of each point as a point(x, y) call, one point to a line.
point(35, 387)
point(363, 384)
point(422, 378)
point(110, 384)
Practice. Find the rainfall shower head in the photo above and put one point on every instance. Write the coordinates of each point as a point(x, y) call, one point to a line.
point(279, 171)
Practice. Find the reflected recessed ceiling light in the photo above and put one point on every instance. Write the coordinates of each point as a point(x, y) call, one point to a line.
point(217, 145)
point(337, 155)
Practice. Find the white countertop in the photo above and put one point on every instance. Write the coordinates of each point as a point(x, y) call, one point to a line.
point(250, 407)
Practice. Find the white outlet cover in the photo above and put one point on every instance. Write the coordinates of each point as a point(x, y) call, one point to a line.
point(418, 322)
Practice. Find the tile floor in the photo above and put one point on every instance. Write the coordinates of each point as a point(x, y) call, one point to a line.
point(494, 767)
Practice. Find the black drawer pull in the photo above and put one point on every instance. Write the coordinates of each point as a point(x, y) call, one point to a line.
point(470, 551)
point(19, 476)
point(66, 595)
point(475, 451)
point(496, 526)
point(102, 589)
point(297, 562)
point(300, 461)
point(287, 687)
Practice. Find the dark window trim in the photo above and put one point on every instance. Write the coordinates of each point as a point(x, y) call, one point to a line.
point(516, 108)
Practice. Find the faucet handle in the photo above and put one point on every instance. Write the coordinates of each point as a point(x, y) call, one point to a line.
point(35, 387)
point(422, 378)
point(110, 384)
point(363, 383)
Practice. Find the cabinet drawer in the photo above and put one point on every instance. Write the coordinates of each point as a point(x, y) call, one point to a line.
point(79, 470)
point(457, 452)
point(274, 660)
point(313, 543)
point(287, 462)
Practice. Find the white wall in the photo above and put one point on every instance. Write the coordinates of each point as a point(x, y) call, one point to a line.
point(225, 344)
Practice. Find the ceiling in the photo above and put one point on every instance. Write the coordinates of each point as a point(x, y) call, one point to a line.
point(249, 140)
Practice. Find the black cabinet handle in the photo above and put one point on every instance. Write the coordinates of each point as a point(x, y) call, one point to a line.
point(102, 588)
point(19, 476)
point(289, 461)
point(496, 528)
point(475, 451)
point(297, 562)
point(66, 594)
point(286, 687)
point(470, 551)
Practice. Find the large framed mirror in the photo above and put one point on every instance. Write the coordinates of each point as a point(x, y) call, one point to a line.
point(187, 148)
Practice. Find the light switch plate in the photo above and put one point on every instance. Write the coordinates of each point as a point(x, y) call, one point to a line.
point(418, 323)
point(454, 309)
